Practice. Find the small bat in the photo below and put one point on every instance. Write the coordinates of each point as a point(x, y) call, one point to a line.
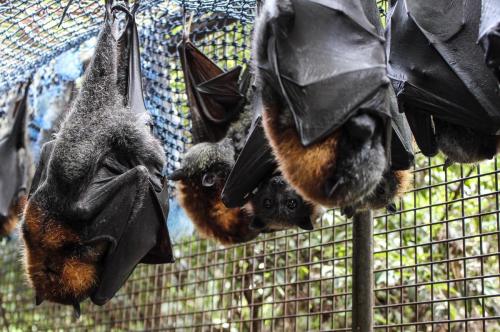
point(98, 201)
point(449, 95)
point(276, 206)
point(200, 180)
point(489, 34)
point(325, 97)
point(14, 168)
point(203, 174)
point(215, 97)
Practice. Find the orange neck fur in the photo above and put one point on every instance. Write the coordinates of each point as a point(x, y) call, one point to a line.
point(212, 218)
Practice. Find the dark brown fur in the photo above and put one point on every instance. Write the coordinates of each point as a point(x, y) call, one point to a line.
point(292, 156)
point(228, 226)
point(58, 275)
point(10, 223)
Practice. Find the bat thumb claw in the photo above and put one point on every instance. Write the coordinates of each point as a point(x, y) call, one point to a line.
point(447, 164)
point(392, 208)
point(38, 299)
point(331, 186)
point(348, 212)
point(78, 311)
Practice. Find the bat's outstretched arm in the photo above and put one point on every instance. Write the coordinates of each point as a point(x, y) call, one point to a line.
point(104, 187)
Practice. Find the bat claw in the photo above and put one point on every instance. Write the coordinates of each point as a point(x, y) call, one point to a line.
point(447, 164)
point(78, 311)
point(392, 208)
point(348, 211)
point(331, 186)
point(38, 300)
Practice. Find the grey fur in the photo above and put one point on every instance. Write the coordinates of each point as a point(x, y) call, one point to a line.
point(203, 157)
point(464, 145)
point(97, 127)
point(360, 166)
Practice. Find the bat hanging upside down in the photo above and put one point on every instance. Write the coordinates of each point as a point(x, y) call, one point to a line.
point(97, 205)
point(326, 101)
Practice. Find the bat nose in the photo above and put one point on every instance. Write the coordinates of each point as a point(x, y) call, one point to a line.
point(361, 127)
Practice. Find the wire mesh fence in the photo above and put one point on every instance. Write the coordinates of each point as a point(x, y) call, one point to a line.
point(437, 264)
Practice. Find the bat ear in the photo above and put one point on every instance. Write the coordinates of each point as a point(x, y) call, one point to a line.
point(208, 179)
point(38, 299)
point(257, 224)
point(177, 175)
point(306, 224)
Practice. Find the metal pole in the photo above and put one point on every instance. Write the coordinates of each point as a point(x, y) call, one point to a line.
point(362, 274)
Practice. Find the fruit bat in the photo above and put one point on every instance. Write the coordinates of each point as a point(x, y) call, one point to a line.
point(257, 158)
point(98, 201)
point(489, 34)
point(215, 96)
point(321, 74)
point(204, 171)
point(14, 168)
point(448, 94)
point(200, 180)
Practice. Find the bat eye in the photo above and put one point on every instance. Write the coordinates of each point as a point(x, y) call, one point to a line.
point(291, 204)
point(268, 203)
point(208, 180)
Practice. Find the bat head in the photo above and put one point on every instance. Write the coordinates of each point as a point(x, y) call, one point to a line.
point(206, 165)
point(277, 206)
point(60, 267)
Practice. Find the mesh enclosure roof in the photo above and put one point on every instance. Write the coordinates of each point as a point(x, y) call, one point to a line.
point(30, 35)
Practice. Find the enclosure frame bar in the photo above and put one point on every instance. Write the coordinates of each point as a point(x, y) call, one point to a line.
point(362, 272)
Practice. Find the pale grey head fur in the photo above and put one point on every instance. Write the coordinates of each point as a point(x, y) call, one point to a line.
point(98, 126)
point(201, 157)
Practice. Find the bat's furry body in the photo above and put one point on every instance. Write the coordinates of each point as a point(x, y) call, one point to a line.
point(202, 202)
point(464, 145)
point(98, 132)
point(204, 205)
point(335, 171)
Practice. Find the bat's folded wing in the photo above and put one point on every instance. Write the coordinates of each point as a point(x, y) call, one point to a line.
point(489, 34)
point(255, 163)
point(213, 94)
point(402, 155)
point(11, 170)
point(434, 45)
point(143, 239)
point(322, 69)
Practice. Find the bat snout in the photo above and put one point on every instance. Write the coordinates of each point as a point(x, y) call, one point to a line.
point(361, 127)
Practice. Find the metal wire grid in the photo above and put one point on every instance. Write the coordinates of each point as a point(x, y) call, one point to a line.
point(436, 262)
point(437, 268)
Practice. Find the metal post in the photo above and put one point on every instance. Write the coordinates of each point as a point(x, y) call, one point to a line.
point(362, 274)
point(362, 261)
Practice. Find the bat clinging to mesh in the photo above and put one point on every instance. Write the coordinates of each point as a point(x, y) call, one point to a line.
point(489, 34)
point(321, 75)
point(216, 97)
point(448, 94)
point(98, 201)
point(14, 167)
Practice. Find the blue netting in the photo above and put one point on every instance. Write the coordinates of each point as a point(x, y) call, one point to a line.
point(33, 47)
